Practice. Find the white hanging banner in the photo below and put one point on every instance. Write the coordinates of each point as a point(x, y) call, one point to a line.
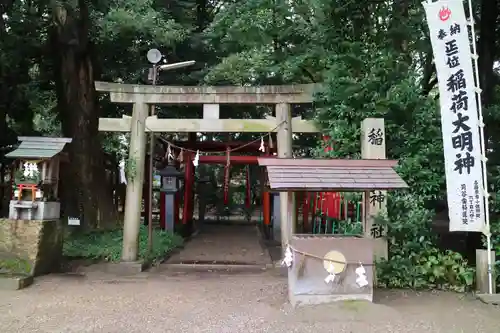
point(121, 170)
point(459, 115)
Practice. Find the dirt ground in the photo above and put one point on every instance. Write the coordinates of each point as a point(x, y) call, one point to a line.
point(162, 302)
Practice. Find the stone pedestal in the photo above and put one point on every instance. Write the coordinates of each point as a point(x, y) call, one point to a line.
point(15, 282)
point(37, 241)
point(169, 210)
point(306, 277)
point(34, 210)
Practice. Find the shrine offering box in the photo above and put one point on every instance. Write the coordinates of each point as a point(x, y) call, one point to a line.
point(329, 268)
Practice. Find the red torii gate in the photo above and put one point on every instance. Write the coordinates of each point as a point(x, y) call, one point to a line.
point(188, 208)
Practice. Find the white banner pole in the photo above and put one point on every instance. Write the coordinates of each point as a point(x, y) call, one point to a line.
point(486, 230)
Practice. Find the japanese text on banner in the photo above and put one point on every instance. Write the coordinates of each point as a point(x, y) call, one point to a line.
point(459, 117)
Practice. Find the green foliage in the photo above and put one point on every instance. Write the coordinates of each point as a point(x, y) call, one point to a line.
point(367, 77)
point(107, 245)
point(15, 266)
point(236, 204)
point(349, 228)
point(130, 169)
point(432, 269)
point(414, 260)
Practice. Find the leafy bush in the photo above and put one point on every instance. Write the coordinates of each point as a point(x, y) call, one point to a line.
point(15, 266)
point(107, 245)
point(362, 83)
point(414, 261)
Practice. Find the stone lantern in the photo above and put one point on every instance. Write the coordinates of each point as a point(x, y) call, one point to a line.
point(170, 179)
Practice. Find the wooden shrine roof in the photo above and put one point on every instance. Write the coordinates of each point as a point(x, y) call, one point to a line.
point(34, 147)
point(288, 174)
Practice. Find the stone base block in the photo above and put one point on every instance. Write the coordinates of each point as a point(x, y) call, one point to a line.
point(40, 242)
point(34, 210)
point(124, 268)
point(304, 300)
point(489, 298)
point(12, 282)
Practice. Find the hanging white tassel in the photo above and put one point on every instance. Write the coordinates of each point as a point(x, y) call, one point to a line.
point(121, 169)
point(331, 273)
point(262, 148)
point(271, 144)
point(288, 259)
point(25, 169)
point(180, 157)
point(196, 158)
point(361, 280)
point(169, 153)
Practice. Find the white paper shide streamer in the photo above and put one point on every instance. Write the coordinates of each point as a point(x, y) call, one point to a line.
point(121, 169)
point(170, 156)
point(262, 147)
point(331, 273)
point(196, 159)
point(288, 258)
point(361, 279)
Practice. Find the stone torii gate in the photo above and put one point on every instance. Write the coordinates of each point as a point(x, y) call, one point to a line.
point(140, 96)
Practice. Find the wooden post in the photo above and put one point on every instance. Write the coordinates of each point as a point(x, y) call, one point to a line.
point(188, 183)
point(482, 271)
point(45, 172)
point(287, 199)
point(55, 170)
point(2, 188)
point(192, 227)
point(135, 170)
point(375, 202)
point(145, 191)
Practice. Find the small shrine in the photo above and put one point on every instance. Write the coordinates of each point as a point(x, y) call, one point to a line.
point(323, 266)
point(36, 178)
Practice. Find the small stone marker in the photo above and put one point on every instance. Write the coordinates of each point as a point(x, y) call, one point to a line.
point(375, 202)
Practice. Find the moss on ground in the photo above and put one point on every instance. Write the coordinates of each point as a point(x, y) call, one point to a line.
point(107, 245)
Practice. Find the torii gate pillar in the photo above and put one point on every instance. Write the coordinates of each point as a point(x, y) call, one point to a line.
point(288, 218)
point(135, 178)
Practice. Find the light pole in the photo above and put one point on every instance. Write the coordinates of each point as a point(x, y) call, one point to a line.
point(154, 56)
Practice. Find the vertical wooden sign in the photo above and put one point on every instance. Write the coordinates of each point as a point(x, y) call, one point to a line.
point(375, 202)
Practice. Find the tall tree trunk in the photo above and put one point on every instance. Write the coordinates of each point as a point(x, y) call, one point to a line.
point(85, 193)
point(202, 19)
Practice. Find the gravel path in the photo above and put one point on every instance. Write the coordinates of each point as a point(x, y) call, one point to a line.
point(211, 302)
point(240, 244)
